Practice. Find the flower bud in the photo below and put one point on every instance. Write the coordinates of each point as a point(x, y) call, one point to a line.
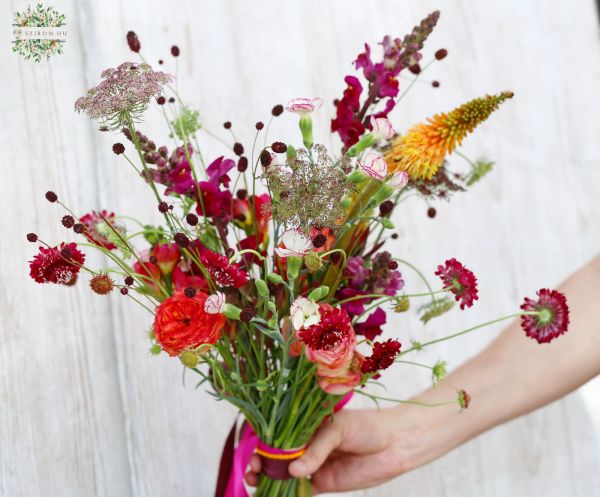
point(387, 224)
point(293, 267)
point(318, 293)
point(365, 141)
point(306, 130)
point(402, 305)
point(189, 358)
point(262, 288)
point(356, 177)
point(384, 192)
point(275, 278)
point(312, 261)
point(232, 312)
point(291, 152)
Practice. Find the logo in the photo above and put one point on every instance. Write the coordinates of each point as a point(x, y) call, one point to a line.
point(39, 32)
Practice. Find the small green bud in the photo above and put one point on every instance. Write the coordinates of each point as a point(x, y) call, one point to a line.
point(275, 278)
point(416, 345)
point(271, 306)
point(155, 349)
point(232, 312)
point(356, 177)
point(272, 323)
point(262, 288)
point(262, 386)
point(384, 192)
point(290, 152)
point(464, 399)
point(387, 224)
point(402, 305)
point(365, 141)
point(306, 130)
point(189, 358)
point(235, 377)
point(293, 267)
point(346, 203)
point(318, 293)
point(439, 371)
point(312, 261)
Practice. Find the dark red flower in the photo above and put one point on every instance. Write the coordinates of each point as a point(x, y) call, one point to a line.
point(277, 110)
point(32, 237)
point(58, 265)
point(371, 328)
point(217, 265)
point(182, 323)
point(382, 356)
point(96, 228)
point(133, 42)
point(552, 318)
point(460, 281)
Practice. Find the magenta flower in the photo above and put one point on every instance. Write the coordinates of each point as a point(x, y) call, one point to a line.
point(181, 179)
point(552, 319)
point(371, 328)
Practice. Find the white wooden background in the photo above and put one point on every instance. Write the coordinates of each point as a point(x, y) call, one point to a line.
point(85, 411)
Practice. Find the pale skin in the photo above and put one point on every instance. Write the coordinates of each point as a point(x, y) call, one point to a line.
point(512, 376)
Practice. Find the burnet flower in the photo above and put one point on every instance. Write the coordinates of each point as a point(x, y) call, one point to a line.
point(374, 165)
point(293, 243)
point(123, 95)
point(304, 313)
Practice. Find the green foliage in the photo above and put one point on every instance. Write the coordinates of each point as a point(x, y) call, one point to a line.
point(435, 308)
point(480, 169)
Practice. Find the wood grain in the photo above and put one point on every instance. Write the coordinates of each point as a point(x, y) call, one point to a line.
point(85, 410)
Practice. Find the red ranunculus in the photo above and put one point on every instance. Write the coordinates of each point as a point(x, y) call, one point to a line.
point(181, 323)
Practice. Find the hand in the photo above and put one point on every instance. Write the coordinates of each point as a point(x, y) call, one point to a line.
point(357, 449)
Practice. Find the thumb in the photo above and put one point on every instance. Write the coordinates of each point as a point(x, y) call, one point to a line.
point(327, 439)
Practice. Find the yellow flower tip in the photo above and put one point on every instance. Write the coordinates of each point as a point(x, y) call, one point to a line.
point(424, 148)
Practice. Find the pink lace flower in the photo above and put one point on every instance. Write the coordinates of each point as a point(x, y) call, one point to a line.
point(375, 166)
point(552, 318)
point(304, 105)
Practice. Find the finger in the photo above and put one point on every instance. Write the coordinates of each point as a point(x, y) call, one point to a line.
point(251, 478)
point(328, 437)
point(255, 464)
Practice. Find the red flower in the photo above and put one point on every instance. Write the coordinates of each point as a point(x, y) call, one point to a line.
point(331, 342)
point(552, 318)
point(149, 273)
point(181, 323)
point(58, 265)
point(96, 229)
point(382, 356)
point(167, 256)
point(222, 272)
point(371, 328)
point(460, 281)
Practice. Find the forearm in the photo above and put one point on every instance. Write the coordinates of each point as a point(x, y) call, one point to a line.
point(514, 375)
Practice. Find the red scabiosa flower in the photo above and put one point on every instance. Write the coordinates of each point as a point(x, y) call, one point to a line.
point(222, 272)
point(331, 342)
point(97, 230)
point(58, 265)
point(382, 356)
point(552, 318)
point(181, 323)
point(460, 281)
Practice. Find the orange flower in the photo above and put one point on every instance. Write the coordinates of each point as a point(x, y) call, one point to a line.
point(181, 323)
point(423, 149)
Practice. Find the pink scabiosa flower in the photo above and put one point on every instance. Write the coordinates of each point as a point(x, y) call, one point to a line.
point(97, 230)
point(398, 180)
point(460, 281)
point(167, 256)
point(331, 342)
point(304, 313)
point(215, 303)
point(382, 128)
point(382, 356)
point(123, 95)
point(58, 265)
point(293, 243)
point(375, 166)
point(552, 318)
point(304, 105)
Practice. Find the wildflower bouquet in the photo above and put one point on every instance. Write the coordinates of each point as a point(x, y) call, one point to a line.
point(268, 276)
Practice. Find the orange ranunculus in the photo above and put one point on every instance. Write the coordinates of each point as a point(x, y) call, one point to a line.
point(181, 323)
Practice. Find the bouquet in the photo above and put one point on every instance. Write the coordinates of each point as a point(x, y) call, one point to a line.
point(268, 277)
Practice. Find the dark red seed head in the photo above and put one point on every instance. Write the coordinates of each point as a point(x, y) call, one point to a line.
point(393, 265)
point(68, 221)
point(441, 54)
point(163, 207)
point(51, 196)
point(277, 110)
point(386, 207)
point(32, 237)
point(279, 147)
point(259, 125)
point(319, 240)
point(238, 148)
point(119, 148)
point(415, 69)
point(153, 259)
point(161, 100)
point(190, 292)
point(241, 194)
point(175, 51)
point(335, 257)
point(435, 84)
point(133, 42)
point(431, 212)
point(161, 62)
point(394, 236)
point(247, 314)
point(192, 219)
point(181, 239)
point(172, 100)
point(129, 280)
point(78, 228)
point(124, 290)
point(66, 253)
point(242, 164)
point(227, 124)
point(265, 158)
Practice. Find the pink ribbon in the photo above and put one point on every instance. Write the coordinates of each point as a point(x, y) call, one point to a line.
point(247, 444)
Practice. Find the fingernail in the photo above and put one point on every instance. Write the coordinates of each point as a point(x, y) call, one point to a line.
point(298, 468)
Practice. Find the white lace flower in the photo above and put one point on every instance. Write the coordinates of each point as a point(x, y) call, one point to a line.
point(293, 243)
point(304, 313)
